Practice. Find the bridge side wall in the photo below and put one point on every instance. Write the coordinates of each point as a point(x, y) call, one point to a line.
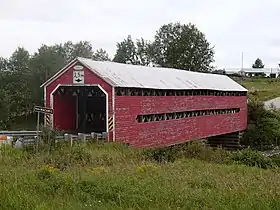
point(173, 131)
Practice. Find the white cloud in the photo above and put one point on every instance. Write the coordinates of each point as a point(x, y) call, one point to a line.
point(231, 26)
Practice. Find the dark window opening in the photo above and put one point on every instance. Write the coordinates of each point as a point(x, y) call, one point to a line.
point(153, 92)
point(186, 114)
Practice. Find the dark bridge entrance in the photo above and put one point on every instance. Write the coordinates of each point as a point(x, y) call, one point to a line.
point(80, 109)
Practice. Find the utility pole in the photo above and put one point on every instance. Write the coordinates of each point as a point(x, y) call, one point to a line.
point(242, 61)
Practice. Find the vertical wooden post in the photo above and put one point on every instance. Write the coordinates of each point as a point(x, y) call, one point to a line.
point(49, 141)
point(113, 114)
point(47, 112)
point(49, 132)
point(37, 140)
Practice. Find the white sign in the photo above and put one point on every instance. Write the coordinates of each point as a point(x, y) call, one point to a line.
point(78, 77)
point(78, 67)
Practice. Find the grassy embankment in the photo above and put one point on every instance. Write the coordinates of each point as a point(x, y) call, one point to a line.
point(264, 89)
point(116, 177)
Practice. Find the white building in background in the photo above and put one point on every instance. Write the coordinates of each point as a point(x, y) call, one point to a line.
point(251, 72)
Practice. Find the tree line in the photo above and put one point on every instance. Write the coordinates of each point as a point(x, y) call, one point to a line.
point(175, 45)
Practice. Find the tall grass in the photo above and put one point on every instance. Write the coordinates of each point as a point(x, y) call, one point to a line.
point(113, 176)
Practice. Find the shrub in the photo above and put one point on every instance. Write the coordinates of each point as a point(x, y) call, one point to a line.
point(193, 149)
point(45, 174)
point(204, 152)
point(49, 134)
point(66, 156)
point(263, 128)
point(196, 149)
point(276, 160)
point(165, 154)
point(80, 154)
point(250, 157)
point(170, 154)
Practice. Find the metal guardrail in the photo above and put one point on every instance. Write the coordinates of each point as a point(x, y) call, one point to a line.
point(29, 137)
point(19, 133)
point(84, 137)
point(273, 152)
point(25, 137)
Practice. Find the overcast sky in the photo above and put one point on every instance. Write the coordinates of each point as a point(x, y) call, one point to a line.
point(232, 26)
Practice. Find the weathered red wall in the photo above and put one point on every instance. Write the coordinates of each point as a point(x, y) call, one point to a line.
point(67, 78)
point(176, 131)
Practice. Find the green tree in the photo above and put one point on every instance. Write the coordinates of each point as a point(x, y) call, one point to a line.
point(100, 55)
point(3, 64)
point(17, 82)
point(258, 64)
point(183, 47)
point(137, 53)
point(4, 102)
point(44, 64)
point(126, 51)
point(144, 52)
point(4, 110)
point(47, 61)
point(79, 49)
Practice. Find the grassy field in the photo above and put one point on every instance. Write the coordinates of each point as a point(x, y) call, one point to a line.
point(264, 89)
point(115, 177)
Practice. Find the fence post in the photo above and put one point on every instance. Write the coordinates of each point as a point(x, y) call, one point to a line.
point(37, 138)
point(71, 140)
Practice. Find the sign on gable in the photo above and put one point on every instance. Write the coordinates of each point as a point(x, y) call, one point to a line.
point(78, 67)
point(78, 77)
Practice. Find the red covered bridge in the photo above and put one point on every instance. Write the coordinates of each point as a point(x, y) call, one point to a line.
point(144, 106)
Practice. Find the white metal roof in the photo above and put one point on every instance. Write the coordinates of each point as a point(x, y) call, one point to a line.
point(127, 75)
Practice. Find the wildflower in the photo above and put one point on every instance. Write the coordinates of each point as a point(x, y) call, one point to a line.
point(50, 168)
point(146, 168)
point(98, 170)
